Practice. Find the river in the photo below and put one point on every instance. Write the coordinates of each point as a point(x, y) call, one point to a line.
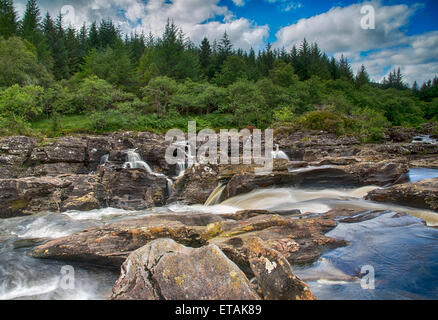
point(402, 250)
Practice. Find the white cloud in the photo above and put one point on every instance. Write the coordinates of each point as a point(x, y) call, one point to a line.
point(417, 59)
point(197, 18)
point(239, 3)
point(339, 31)
point(287, 5)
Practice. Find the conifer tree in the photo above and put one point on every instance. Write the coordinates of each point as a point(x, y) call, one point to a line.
point(93, 37)
point(205, 59)
point(29, 28)
point(362, 77)
point(8, 19)
point(59, 51)
point(345, 69)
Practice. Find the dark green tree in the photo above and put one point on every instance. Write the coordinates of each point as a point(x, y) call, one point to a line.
point(93, 37)
point(362, 77)
point(8, 19)
point(205, 59)
point(29, 28)
point(345, 69)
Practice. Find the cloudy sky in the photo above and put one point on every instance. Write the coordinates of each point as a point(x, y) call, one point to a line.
point(405, 33)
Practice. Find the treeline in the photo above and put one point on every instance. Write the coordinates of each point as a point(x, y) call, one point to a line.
point(116, 81)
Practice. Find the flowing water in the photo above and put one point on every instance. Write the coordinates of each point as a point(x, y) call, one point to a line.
point(188, 160)
point(419, 174)
point(425, 139)
point(278, 154)
point(215, 196)
point(134, 161)
point(402, 250)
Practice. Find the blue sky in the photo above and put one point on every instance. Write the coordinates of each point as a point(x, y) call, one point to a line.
point(275, 15)
point(405, 34)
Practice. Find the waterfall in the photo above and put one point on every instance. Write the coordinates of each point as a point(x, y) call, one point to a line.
point(216, 195)
point(425, 139)
point(278, 154)
point(189, 158)
point(104, 160)
point(134, 161)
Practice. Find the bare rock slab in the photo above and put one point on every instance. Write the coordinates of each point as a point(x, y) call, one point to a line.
point(423, 194)
point(275, 278)
point(165, 270)
point(110, 245)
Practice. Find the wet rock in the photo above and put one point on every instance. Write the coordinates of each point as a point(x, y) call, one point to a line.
point(97, 147)
point(399, 134)
point(299, 241)
point(14, 152)
point(351, 215)
point(55, 169)
point(84, 193)
point(246, 214)
point(66, 149)
point(338, 161)
point(165, 270)
point(304, 177)
point(354, 175)
point(423, 194)
point(196, 185)
point(380, 173)
point(25, 196)
point(110, 245)
point(424, 162)
point(29, 195)
point(134, 189)
point(274, 274)
point(153, 151)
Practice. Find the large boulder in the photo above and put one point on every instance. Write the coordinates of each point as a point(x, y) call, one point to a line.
point(166, 270)
point(274, 274)
point(423, 194)
point(303, 177)
point(130, 189)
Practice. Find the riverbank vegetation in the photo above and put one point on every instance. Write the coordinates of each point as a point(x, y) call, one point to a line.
point(56, 80)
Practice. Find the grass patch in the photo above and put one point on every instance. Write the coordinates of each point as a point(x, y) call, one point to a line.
point(103, 122)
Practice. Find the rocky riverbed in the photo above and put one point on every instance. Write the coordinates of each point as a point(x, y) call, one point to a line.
point(112, 201)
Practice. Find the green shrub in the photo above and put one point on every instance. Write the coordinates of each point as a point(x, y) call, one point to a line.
point(321, 120)
point(283, 115)
point(93, 94)
point(24, 103)
point(370, 125)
